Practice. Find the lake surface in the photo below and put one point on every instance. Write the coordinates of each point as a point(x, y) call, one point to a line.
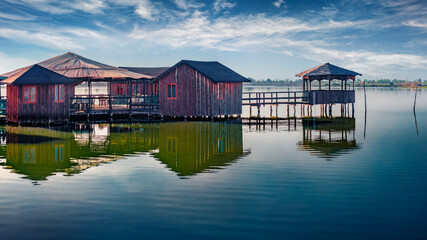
point(352, 179)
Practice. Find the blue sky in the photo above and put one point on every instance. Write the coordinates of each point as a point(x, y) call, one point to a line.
point(259, 39)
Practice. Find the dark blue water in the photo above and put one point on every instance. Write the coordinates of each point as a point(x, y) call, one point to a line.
point(352, 180)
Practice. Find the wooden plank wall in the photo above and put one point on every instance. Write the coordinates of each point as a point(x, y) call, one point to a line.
point(197, 95)
point(332, 96)
point(12, 103)
point(44, 111)
point(141, 84)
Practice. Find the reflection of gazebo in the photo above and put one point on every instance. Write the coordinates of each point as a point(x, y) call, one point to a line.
point(328, 137)
point(328, 72)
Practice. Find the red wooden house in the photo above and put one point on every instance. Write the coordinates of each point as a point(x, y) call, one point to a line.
point(194, 88)
point(37, 95)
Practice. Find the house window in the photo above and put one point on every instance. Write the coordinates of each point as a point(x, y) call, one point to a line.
point(171, 90)
point(120, 89)
point(171, 145)
point(59, 93)
point(220, 145)
point(135, 89)
point(59, 153)
point(30, 155)
point(220, 91)
point(29, 94)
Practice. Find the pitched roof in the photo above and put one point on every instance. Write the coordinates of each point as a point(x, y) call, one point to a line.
point(75, 66)
point(153, 71)
point(215, 71)
point(37, 75)
point(327, 69)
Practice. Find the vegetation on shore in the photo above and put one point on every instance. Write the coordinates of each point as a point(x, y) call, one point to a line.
point(357, 83)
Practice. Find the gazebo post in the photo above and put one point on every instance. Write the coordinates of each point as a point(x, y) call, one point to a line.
point(130, 98)
point(320, 84)
point(110, 101)
point(89, 108)
point(303, 84)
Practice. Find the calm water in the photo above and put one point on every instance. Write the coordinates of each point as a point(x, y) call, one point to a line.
point(352, 179)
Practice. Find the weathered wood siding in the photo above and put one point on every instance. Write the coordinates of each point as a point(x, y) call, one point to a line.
point(12, 103)
point(332, 96)
point(44, 111)
point(197, 95)
point(142, 85)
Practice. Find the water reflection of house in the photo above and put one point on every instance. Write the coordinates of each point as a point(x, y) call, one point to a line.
point(190, 148)
point(328, 137)
point(37, 153)
point(186, 148)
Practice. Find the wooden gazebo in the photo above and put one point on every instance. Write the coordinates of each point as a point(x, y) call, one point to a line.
point(328, 72)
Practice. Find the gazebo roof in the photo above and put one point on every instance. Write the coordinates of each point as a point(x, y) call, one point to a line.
point(37, 75)
point(327, 69)
point(75, 66)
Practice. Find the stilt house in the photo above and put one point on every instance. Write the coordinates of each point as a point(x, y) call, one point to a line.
point(194, 88)
point(38, 95)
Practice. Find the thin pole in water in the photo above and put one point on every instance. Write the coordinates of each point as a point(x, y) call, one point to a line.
point(415, 100)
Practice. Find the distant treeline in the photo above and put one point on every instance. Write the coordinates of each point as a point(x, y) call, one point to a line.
point(358, 83)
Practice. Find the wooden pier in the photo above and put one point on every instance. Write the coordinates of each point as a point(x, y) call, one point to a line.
point(305, 100)
point(106, 107)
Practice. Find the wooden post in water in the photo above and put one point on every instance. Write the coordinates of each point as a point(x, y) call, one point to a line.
point(352, 110)
point(295, 104)
point(130, 99)
point(415, 99)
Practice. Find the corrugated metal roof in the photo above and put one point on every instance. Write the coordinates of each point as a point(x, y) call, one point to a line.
point(327, 69)
point(75, 66)
point(215, 71)
point(37, 75)
point(153, 71)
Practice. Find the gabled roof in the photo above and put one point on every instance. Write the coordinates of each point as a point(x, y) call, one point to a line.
point(75, 66)
point(37, 75)
point(215, 71)
point(327, 69)
point(153, 71)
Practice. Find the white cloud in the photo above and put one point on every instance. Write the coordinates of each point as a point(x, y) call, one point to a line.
point(329, 11)
point(187, 4)
point(48, 39)
point(223, 4)
point(276, 34)
point(21, 17)
point(278, 3)
point(416, 23)
point(62, 7)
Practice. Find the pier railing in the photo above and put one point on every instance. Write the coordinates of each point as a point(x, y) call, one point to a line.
point(274, 98)
point(105, 104)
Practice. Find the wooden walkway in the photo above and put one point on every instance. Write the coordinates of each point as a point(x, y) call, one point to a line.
point(105, 105)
